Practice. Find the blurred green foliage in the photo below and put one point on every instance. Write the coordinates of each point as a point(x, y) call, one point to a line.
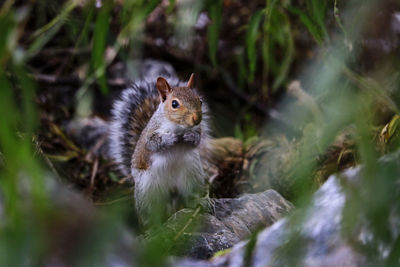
point(266, 61)
point(313, 18)
point(213, 30)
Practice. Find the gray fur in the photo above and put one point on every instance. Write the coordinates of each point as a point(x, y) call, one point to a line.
point(174, 165)
point(192, 137)
point(122, 137)
point(161, 142)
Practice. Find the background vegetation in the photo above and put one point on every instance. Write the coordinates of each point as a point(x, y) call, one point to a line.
point(65, 59)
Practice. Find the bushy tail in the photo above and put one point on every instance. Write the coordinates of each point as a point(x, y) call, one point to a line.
point(92, 135)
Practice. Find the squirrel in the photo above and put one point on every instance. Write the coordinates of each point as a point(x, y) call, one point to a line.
point(156, 135)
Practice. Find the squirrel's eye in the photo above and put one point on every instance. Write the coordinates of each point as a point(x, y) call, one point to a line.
point(201, 102)
point(175, 104)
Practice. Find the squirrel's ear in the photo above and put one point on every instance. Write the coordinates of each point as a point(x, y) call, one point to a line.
point(163, 88)
point(190, 83)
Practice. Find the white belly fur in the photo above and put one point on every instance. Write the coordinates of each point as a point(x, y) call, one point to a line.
point(178, 169)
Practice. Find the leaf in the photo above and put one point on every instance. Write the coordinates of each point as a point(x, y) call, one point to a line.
point(63, 158)
point(266, 43)
point(251, 41)
point(43, 35)
point(238, 133)
point(242, 71)
point(388, 136)
point(394, 125)
point(67, 142)
point(318, 11)
point(113, 177)
point(99, 44)
point(29, 118)
point(221, 253)
point(307, 21)
point(7, 32)
point(288, 57)
point(214, 29)
point(84, 34)
point(171, 6)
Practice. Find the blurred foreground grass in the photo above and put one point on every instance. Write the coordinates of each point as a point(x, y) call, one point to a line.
point(347, 90)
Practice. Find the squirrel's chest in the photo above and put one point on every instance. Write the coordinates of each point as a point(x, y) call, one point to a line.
point(178, 170)
point(171, 166)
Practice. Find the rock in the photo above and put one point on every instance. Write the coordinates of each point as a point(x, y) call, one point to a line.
point(232, 220)
point(246, 214)
point(314, 236)
point(319, 236)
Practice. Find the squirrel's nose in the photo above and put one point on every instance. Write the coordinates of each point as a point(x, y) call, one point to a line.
point(196, 119)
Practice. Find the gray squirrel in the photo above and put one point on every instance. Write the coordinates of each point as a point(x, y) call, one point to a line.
point(157, 131)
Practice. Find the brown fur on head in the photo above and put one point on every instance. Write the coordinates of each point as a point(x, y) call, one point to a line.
point(182, 105)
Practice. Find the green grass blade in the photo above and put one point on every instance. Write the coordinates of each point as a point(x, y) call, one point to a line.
point(318, 11)
point(310, 25)
point(43, 35)
point(214, 29)
point(285, 64)
point(99, 45)
point(251, 41)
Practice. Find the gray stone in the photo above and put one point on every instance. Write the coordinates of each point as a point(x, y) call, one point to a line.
point(314, 236)
point(233, 220)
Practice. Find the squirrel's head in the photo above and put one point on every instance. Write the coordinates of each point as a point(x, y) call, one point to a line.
point(182, 105)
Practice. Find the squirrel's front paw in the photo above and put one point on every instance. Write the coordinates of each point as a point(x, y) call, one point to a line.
point(169, 140)
point(192, 137)
point(158, 142)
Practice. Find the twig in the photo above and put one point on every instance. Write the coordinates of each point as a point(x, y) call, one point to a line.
point(52, 79)
point(62, 50)
point(113, 201)
point(93, 175)
point(295, 89)
point(74, 80)
point(46, 159)
point(212, 177)
point(67, 142)
point(97, 146)
point(339, 22)
point(124, 179)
